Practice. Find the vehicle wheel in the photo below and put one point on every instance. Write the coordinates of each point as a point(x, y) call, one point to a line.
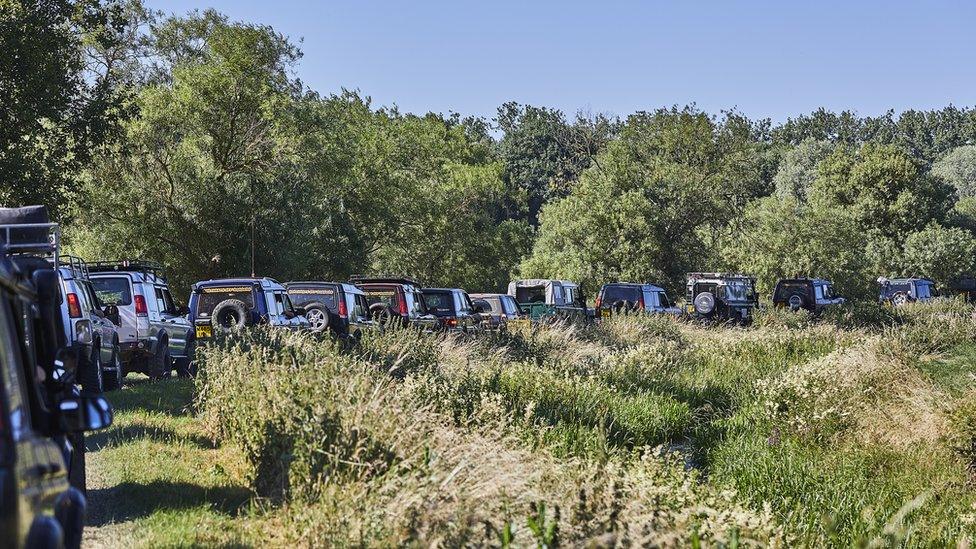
point(184, 368)
point(704, 303)
point(899, 298)
point(76, 462)
point(114, 373)
point(318, 318)
point(91, 376)
point(161, 365)
point(230, 315)
point(381, 314)
point(796, 302)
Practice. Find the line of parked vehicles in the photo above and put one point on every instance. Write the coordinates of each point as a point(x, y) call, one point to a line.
point(71, 330)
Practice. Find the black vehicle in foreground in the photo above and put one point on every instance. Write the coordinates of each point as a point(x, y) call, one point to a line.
point(396, 301)
point(454, 309)
point(336, 307)
point(721, 297)
point(41, 409)
point(811, 294)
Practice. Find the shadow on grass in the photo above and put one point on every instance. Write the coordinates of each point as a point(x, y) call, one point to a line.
point(130, 500)
point(171, 396)
point(119, 435)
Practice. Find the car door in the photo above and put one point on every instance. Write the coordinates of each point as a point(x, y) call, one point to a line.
point(175, 325)
point(101, 325)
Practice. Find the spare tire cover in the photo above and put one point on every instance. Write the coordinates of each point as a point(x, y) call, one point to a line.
point(704, 303)
point(230, 315)
point(796, 301)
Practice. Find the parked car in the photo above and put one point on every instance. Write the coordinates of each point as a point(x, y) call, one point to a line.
point(396, 301)
point(84, 320)
point(544, 299)
point(965, 287)
point(229, 304)
point(154, 333)
point(453, 309)
point(811, 294)
point(725, 297)
point(337, 307)
point(899, 291)
point(623, 297)
point(43, 413)
point(502, 309)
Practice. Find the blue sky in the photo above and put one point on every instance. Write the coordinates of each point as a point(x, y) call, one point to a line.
point(767, 59)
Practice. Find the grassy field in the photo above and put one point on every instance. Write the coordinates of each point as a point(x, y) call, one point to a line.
point(859, 429)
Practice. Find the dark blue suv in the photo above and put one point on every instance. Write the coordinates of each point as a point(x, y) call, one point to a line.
point(229, 304)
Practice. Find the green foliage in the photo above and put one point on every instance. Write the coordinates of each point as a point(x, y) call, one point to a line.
point(940, 253)
point(958, 168)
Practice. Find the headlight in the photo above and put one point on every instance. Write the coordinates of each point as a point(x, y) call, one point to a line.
point(83, 331)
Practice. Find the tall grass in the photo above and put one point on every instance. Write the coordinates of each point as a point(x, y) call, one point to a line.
point(640, 430)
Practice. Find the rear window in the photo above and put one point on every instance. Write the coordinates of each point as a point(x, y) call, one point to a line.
point(212, 296)
point(530, 294)
point(439, 302)
point(386, 295)
point(113, 291)
point(787, 289)
point(325, 295)
point(612, 294)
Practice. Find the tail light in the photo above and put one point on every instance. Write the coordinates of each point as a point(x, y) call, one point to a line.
point(74, 306)
point(452, 322)
point(402, 305)
point(599, 300)
point(342, 308)
point(141, 309)
point(640, 303)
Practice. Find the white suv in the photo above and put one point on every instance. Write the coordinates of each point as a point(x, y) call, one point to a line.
point(154, 332)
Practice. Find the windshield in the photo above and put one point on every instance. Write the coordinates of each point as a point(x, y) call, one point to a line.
point(113, 291)
point(303, 296)
point(738, 290)
point(211, 297)
point(511, 307)
point(439, 302)
point(614, 293)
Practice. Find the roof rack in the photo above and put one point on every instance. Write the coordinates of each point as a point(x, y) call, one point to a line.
point(76, 265)
point(393, 279)
point(138, 265)
point(32, 238)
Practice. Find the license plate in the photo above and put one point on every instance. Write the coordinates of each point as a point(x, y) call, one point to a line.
point(204, 332)
point(605, 313)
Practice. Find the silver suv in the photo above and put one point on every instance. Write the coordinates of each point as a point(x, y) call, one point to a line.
point(155, 334)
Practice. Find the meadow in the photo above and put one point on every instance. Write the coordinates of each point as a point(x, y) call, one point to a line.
point(855, 429)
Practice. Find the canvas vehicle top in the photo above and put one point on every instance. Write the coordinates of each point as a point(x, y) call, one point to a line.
point(899, 291)
point(811, 294)
point(229, 304)
point(149, 318)
point(546, 298)
point(338, 307)
point(632, 297)
point(721, 296)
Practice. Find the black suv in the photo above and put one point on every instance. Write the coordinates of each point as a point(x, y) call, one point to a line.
point(42, 413)
point(396, 301)
point(454, 310)
point(899, 291)
point(723, 297)
point(336, 307)
point(811, 294)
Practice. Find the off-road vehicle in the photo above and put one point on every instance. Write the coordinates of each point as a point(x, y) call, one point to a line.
point(899, 291)
point(965, 287)
point(43, 415)
point(544, 299)
point(502, 309)
point(85, 321)
point(228, 305)
point(154, 334)
point(336, 307)
point(453, 309)
point(721, 297)
point(396, 301)
point(626, 297)
point(811, 294)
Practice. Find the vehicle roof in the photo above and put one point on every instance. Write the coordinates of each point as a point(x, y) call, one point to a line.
point(803, 279)
point(529, 282)
point(736, 276)
point(266, 283)
point(482, 296)
point(346, 287)
point(905, 280)
point(9, 278)
point(653, 287)
point(383, 279)
point(442, 290)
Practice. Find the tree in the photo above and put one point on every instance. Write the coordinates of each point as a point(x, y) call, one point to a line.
point(940, 253)
point(798, 168)
point(958, 168)
point(655, 203)
point(55, 110)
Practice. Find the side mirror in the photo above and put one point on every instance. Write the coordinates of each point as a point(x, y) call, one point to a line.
point(84, 413)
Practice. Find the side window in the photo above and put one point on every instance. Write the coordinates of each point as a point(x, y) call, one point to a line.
point(418, 302)
point(168, 300)
point(160, 300)
point(819, 292)
point(279, 306)
point(664, 301)
point(360, 307)
point(286, 303)
point(649, 298)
